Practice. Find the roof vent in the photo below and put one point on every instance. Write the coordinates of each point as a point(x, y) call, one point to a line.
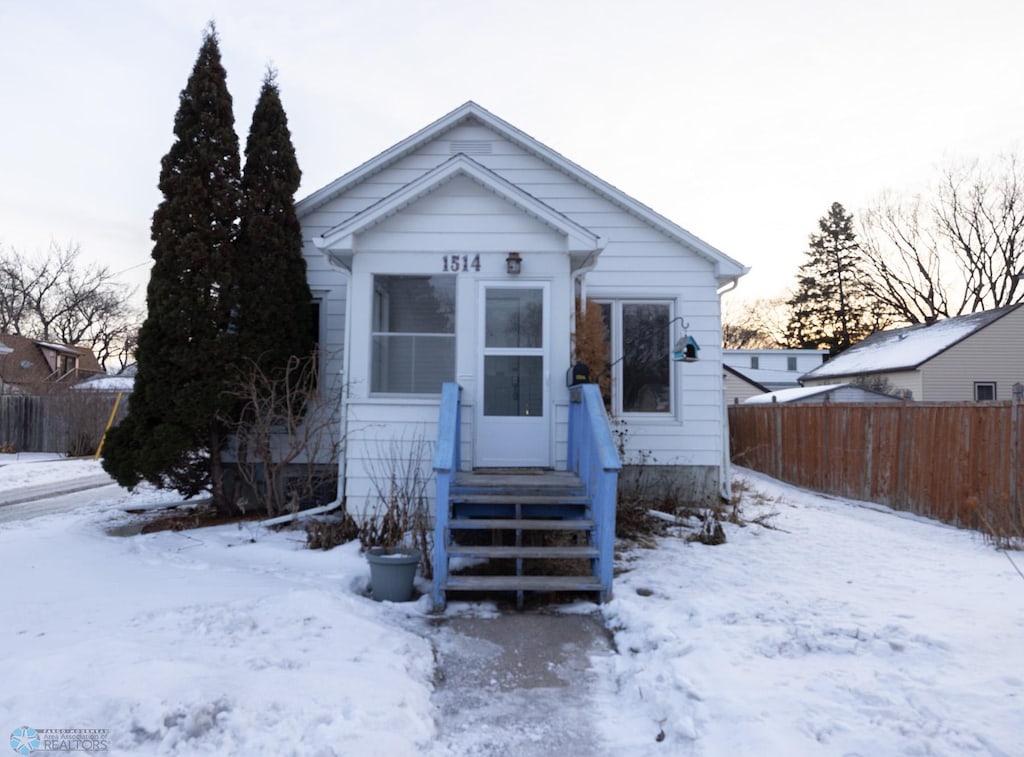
point(470, 146)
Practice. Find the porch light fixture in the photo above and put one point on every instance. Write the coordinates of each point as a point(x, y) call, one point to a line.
point(514, 263)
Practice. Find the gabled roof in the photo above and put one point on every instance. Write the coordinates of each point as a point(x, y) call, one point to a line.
point(340, 239)
point(907, 348)
point(27, 363)
point(743, 377)
point(727, 268)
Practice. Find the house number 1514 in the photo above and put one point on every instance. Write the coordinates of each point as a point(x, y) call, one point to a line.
point(456, 263)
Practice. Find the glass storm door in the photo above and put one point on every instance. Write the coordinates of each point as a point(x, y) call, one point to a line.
point(512, 418)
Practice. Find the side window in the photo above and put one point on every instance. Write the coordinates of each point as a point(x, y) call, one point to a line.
point(984, 391)
point(647, 362)
point(790, 363)
point(314, 325)
point(640, 358)
point(755, 361)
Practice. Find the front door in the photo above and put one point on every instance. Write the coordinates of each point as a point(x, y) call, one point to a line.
point(512, 418)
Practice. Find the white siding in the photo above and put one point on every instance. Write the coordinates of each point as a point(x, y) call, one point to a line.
point(638, 262)
point(775, 360)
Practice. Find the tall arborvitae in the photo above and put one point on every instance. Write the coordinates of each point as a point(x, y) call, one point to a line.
point(274, 298)
point(828, 308)
point(173, 434)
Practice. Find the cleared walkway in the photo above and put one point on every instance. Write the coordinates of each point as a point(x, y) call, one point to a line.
point(520, 685)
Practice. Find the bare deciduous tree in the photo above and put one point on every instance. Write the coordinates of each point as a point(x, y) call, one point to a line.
point(760, 324)
point(59, 298)
point(285, 435)
point(958, 252)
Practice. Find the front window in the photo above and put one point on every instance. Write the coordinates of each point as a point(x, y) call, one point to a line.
point(413, 334)
point(641, 363)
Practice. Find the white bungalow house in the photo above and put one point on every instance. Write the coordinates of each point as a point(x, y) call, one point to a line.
point(971, 357)
point(455, 258)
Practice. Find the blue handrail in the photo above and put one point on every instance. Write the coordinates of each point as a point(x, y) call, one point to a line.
point(594, 458)
point(446, 465)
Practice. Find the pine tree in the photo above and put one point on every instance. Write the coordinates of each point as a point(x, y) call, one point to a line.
point(174, 432)
point(828, 310)
point(273, 319)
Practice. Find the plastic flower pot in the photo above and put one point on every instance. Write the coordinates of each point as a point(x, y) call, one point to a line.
point(392, 571)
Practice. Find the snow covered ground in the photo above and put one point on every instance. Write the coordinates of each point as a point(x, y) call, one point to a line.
point(849, 630)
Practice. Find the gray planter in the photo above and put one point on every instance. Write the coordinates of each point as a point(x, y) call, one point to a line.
point(392, 571)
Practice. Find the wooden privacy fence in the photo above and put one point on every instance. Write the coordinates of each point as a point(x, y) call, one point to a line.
point(957, 462)
point(68, 422)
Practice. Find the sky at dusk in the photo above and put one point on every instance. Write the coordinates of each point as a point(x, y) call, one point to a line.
point(740, 121)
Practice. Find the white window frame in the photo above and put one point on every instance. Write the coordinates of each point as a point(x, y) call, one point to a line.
point(988, 385)
point(616, 353)
point(384, 319)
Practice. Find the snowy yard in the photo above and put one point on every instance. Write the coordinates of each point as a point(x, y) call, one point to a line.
point(849, 630)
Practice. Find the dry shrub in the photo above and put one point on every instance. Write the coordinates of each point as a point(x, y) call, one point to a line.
point(401, 517)
point(327, 533)
point(591, 345)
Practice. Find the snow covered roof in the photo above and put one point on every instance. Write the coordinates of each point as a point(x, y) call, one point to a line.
point(773, 378)
point(107, 384)
point(744, 376)
point(906, 348)
point(791, 395)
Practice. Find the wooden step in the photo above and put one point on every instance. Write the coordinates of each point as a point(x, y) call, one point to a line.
point(523, 583)
point(498, 553)
point(547, 483)
point(526, 524)
point(519, 499)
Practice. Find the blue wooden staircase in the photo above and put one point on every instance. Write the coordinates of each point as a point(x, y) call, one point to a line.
point(536, 531)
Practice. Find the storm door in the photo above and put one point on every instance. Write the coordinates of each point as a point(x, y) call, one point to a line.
point(513, 418)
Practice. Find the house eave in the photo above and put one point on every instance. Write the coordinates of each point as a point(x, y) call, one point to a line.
point(727, 269)
point(340, 241)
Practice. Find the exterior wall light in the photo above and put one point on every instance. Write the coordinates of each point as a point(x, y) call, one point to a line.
point(514, 263)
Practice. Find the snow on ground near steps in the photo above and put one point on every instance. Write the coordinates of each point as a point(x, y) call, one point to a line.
point(204, 643)
point(853, 631)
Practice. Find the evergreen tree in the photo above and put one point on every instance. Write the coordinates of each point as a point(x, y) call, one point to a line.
point(273, 319)
point(828, 309)
point(173, 434)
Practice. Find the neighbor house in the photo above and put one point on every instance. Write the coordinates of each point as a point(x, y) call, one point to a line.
point(970, 357)
point(456, 258)
point(738, 386)
point(32, 366)
point(774, 368)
